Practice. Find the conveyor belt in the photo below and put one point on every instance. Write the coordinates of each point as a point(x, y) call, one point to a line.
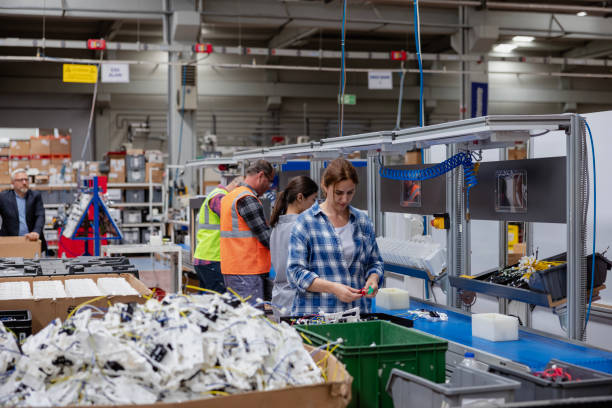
point(531, 349)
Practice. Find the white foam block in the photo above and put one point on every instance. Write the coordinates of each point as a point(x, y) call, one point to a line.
point(494, 326)
point(393, 298)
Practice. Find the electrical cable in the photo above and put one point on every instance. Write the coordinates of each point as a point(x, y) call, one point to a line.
point(342, 69)
point(401, 97)
point(93, 107)
point(593, 259)
point(417, 40)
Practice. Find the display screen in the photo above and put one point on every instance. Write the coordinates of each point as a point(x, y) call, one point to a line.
point(411, 194)
point(511, 191)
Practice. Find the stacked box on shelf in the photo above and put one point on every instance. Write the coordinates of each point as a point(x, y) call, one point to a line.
point(5, 175)
point(115, 194)
point(116, 164)
point(130, 236)
point(135, 196)
point(19, 155)
point(132, 216)
point(157, 195)
point(60, 170)
point(135, 168)
point(145, 235)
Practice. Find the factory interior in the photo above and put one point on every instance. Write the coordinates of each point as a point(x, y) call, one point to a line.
point(308, 203)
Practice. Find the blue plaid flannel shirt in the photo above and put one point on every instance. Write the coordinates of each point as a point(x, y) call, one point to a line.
point(315, 252)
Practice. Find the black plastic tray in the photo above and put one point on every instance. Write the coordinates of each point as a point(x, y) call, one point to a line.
point(19, 321)
point(365, 316)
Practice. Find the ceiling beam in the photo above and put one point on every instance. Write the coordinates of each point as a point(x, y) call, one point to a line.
point(289, 36)
point(147, 88)
point(594, 49)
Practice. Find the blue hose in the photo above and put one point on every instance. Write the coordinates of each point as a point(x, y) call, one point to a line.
point(594, 223)
point(460, 159)
point(418, 53)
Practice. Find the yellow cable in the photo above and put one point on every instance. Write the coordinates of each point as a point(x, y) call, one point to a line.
point(83, 304)
point(235, 294)
point(305, 338)
point(213, 392)
point(202, 289)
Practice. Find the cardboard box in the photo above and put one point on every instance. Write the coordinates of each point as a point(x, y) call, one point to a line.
point(60, 146)
point(413, 157)
point(5, 149)
point(154, 156)
point(40, 146)
point(117, 170)
point(41, 164)
point(517, 153)
point(334, 393)
point(45, 311)
point(18, 247)
point(15, 164)
point(157, 172)
point(19, 148)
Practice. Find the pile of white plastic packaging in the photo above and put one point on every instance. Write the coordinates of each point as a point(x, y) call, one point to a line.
point(186, 347)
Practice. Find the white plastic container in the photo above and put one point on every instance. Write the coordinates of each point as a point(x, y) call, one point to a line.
point(494, 327)
point(393, 298)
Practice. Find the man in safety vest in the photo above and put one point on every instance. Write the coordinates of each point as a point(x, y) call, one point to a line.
point(245, 234)
point(207, 255)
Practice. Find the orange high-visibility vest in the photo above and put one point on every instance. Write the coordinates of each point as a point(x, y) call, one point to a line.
point(241, 251)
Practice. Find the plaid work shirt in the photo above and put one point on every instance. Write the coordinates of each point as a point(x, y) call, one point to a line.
point(315, 252)
point(251, 210)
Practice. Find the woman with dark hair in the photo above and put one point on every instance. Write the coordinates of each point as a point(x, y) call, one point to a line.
point(299, 195)
point(334, 261)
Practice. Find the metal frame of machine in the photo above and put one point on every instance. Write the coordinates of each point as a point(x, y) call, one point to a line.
point(487, 132)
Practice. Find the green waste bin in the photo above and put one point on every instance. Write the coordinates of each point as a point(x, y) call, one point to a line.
point(370, 350)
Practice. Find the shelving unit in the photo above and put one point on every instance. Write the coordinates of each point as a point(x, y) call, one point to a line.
point(136, 205)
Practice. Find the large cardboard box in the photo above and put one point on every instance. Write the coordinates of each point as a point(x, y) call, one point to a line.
point(413, 157)
point(5, 175)
point(14, 164)
point(60, 146)
point(18, 247)
point(117, 169)
point(40, 146)
point(19, 148)
point(45, 311)
point(334, 393)
point(157, 172)
point(42, 164)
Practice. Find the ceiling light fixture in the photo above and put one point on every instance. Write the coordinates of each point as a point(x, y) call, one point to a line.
point(522, 38)
point(504, 48)
point(581, 13)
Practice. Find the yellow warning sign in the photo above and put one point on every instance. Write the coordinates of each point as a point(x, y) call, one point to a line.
point(87, 74)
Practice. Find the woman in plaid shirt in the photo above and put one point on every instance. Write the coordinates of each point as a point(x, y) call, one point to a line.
point(332, 251)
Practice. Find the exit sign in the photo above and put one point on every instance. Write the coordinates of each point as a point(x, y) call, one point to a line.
point(349, 99)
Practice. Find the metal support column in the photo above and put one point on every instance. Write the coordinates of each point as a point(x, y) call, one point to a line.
point(576, 265)
point(374, 194)
point(316, 171)
point(453, 233)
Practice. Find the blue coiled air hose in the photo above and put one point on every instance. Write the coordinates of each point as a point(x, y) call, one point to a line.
point(460, 159)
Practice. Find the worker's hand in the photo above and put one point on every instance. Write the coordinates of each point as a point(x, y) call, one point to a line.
point(32, 236)
point(345, 293)
point(372, 282)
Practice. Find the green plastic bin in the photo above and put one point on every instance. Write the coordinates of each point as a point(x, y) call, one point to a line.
point(370, 350)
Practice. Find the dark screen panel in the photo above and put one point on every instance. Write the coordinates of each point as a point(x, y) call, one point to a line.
point(433, 194)
point(546, 189)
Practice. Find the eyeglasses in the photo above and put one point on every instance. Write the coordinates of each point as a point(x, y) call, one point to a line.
point(22, 180)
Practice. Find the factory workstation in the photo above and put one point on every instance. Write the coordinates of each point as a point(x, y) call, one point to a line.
point(305, 203)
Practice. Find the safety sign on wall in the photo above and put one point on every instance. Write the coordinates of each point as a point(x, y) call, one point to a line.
point(380, 80)
point(118, 73)
point(86, 74)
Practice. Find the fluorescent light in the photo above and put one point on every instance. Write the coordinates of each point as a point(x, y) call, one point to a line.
point(504, 48)
point(581, 13)
point(522, 38)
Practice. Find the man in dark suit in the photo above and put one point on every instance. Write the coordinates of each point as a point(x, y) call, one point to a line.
point(22, 210)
